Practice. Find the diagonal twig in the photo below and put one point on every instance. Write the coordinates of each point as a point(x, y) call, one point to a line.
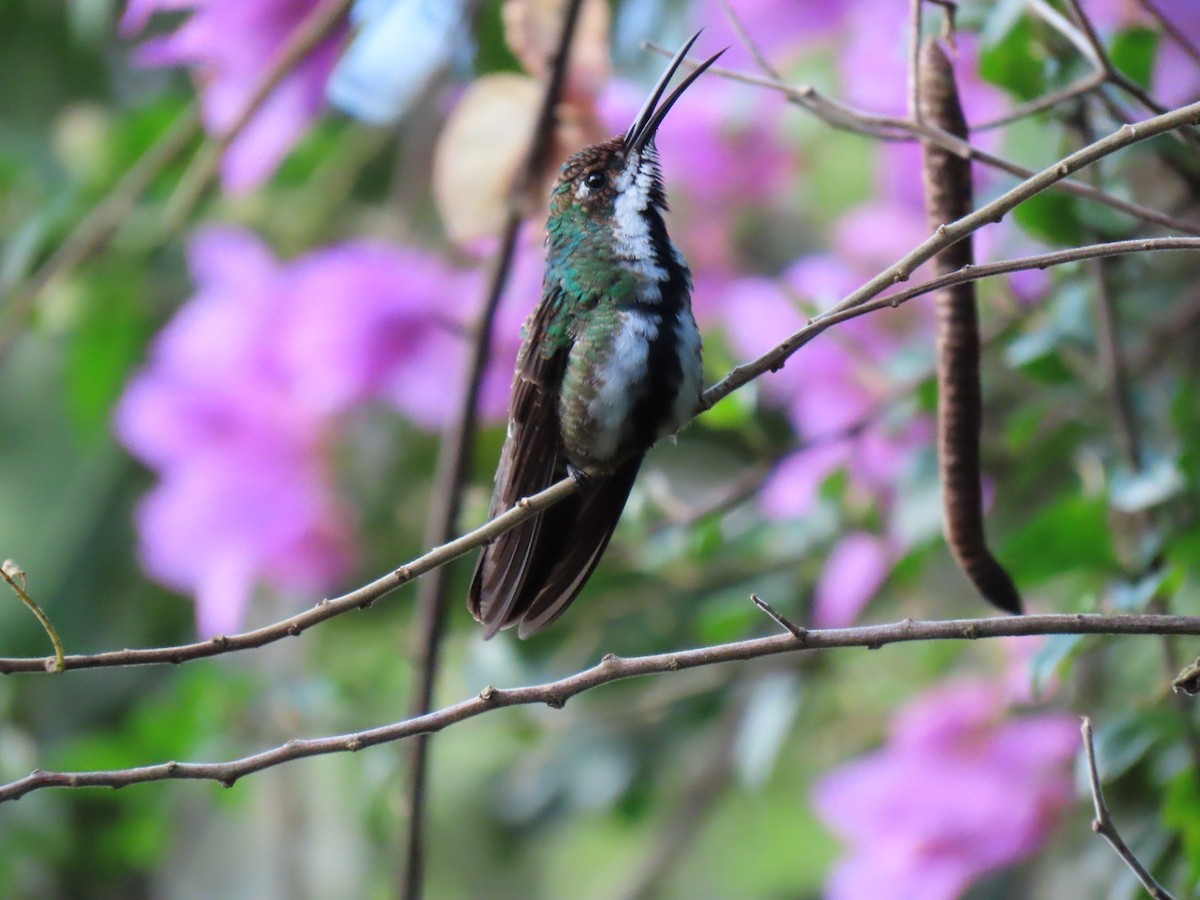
point(800, 634)
point(1103, 824)
point(1171, 29)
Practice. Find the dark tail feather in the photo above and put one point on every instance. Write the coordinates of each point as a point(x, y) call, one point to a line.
point(582, 545)
point(530, 575)
point(501, 573)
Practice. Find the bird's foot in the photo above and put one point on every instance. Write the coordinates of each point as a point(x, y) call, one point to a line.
point(583, 480)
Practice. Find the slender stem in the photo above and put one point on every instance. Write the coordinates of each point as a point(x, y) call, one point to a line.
point(611, 668)
point(747, 41)
point(1113, 74)
point(1112, 363)
point(955, 231)
point(15, 578)
point(459, 444)
point(915, 22)
point(1084, 85)
point(1103, 824)
point(1189, 47)
point(443, 524)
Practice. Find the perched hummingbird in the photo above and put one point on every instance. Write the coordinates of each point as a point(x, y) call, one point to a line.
point(609, 363)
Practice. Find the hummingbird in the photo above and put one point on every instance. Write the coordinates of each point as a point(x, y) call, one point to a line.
point(609, 364)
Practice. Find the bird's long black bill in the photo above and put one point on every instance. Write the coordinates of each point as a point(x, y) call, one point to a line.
point(650, 116)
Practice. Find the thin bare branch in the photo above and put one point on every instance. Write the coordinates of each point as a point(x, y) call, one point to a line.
point(611, 668)
point(1112, 364)
point(1099, 53)
point(443, 525)
point(1171, 29)
point(359, 598)
point(364, 596)
point(950, 234)
point(747, 41)
point(1084, 85)
point(779, 619)
point(1103, 823)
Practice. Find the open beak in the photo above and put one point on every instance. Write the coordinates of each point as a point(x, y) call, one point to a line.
point(650, 116)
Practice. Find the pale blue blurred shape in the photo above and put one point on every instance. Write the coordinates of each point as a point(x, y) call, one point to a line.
point(400, 45)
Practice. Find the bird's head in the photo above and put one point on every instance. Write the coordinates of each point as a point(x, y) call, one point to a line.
point(610, 183)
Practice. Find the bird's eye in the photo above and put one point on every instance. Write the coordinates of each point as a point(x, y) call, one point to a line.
point(595, 180)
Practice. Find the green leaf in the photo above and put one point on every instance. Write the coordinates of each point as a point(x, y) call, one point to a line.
point(768, 718)
point(1052, 217)
point(1052, 656)
point(1070, 534)
point(1133, 51)
point(1181, 812)
point(1013, 62)
point(107, 344)
point(1124, 742)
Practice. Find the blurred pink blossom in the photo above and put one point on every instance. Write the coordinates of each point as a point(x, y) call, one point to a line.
point(853, 572)
point(792, 488)
point(236, 407)
point(776, 26)
point(829, 389)
point(960, 789)
point(229, 45)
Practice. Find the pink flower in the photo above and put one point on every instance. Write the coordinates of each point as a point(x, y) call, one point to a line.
point(853, 572)
point(236, 409)
point(229, 45)
point(959, 790)
point(368, 320)
point(874, 64)
point(829, 388)
point(776, 26)
point(793, 486)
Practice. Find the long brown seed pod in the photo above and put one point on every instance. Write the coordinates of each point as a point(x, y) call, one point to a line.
point(948, 196)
